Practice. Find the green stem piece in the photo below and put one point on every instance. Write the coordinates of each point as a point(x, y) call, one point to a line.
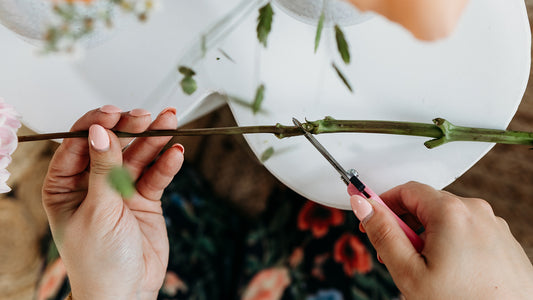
point(441, 131)
point(453, 133)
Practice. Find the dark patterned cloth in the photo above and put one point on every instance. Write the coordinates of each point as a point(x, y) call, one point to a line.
point(296, 250)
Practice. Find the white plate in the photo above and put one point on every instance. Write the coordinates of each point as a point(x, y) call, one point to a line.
point(52, 92)
point(475, 78)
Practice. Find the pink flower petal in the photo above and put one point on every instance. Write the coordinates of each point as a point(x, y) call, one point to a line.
point(9, 124)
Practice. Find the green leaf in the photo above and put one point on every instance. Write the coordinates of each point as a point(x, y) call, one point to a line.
point(342, 77)
point(264, 23)
point(259, 96)
point(342, 45)
point(120, 180)
point(319, 28)
point(267, 154)
point(188, 85)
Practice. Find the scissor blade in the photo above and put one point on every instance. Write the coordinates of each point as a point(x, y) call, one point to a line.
point(344, 175)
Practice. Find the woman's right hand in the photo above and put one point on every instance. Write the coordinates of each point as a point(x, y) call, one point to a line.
point(469, 252)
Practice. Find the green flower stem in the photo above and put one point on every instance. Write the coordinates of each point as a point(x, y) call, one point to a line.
point(441, 131)
point(452, 133)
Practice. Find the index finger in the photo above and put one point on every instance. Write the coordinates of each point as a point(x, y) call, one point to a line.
point(417, 199)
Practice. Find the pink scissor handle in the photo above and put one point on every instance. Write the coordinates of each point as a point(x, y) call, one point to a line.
point(417, 242)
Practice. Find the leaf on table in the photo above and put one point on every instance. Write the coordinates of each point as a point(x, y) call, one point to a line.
point(188, 84)
point(342, 77)
point(258, 100)
point(342, 45)
point(264, 23)
point(319, 28)
point(120, 180)
point(267, 154)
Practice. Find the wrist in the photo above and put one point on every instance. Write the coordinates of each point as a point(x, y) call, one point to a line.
point(138, 296)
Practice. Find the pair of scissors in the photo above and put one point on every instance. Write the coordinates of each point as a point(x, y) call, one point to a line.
point(357, 187)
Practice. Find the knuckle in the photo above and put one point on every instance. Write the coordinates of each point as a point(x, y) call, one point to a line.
point(481, 204)
point(407, 190)
point(454, 208)
point(101, 167)
point(413, 189)
point(502, 222)
point(411, 186)
point(411, 183)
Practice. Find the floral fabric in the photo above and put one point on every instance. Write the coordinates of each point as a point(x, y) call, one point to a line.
point(297, 249)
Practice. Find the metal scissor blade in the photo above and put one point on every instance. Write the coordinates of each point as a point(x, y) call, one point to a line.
point(344, 175)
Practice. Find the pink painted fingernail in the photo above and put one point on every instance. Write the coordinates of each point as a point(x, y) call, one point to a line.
point(110, 109)
point(361, 208)
point(99, 138)
point(179, 147)
point(168, 109)
point(139, 112)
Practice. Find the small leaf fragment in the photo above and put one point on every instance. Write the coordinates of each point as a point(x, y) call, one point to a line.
point(342, 77)
point(342, 45)
point(188, 84)
point(120, 180)
point(319, 28)
point(186, 71)
point(267, 154)
point(264, 23)
point(258, 100)
point(204, 45)
point(242, 102)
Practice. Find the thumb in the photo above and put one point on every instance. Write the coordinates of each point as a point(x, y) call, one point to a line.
point(105, 153)
point(386, 235)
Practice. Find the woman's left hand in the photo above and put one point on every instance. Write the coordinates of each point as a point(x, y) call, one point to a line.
point(113, 248)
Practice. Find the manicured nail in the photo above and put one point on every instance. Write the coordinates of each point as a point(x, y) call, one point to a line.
point(110, 109)
point(361, 208)
point(179, 147)
point(139, 112)
point(379, 259)
point(99, 138)
point(168, 110)
point(361, 228)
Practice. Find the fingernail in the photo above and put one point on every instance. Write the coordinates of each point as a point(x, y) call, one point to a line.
point(379, 259)
point(361, 208)
point(99, 138)
point(168, 109)
point(139, 112)
point(110, 109)
point(179, 147)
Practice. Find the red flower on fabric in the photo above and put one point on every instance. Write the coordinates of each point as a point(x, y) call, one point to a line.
point(352, 254)
point(318, 218)
point(268, 284)
point(52, 279)
point(173, 284)
point(296, 257)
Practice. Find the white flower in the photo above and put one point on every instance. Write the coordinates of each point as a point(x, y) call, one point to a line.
point(9, 124)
